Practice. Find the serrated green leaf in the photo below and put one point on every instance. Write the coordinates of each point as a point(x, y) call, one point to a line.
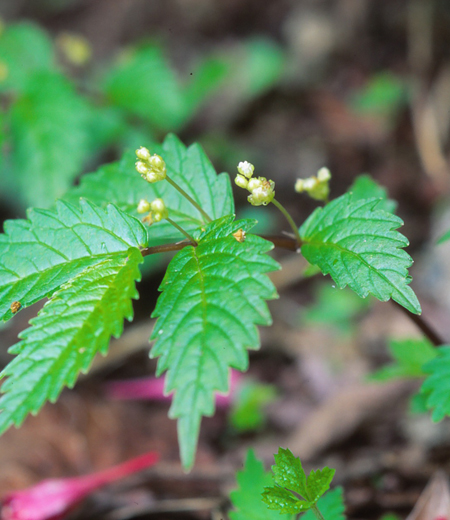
point(410, 355)
point(331, 505)
point(358, 246)
point(49, 139)
point(72, 327)
point(436, 386)
point(247, 498)
point(288, 472)
point(318, 482)
point(364, 187)
point(120, 184)
point(40, 254)
point(24, 50)
point(283, 501)
point(200, 333)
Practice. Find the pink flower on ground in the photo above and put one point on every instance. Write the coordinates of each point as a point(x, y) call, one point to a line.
point(152, 388)
point(52, 499)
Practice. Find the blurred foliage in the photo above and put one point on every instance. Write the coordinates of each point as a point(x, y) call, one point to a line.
point(247, 412)
point(410, 355)
point(383, 95)
point(52, 127)
point(364, 187)
point(336, 308)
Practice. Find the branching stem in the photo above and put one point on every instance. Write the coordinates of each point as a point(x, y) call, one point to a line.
point(289, 219)
point(189, 198)
point(291, 244)
point(425, 327)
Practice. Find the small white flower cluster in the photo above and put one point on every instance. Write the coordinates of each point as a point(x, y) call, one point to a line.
point(261, 190)
point(151, 167)
point(157, 210)
point(317, 187)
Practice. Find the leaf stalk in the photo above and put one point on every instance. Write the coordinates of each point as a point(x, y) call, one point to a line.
point(289, 219)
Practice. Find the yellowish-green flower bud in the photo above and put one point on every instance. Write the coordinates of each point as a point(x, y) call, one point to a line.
point(75, 48)
point(143, 206)
point(246, 169)
point(159, 210)
point(158, 205)
point(254, 184)
point(323, 175)
point(263, 194)
point(143, 154)
point(141, 168)
point(316, 187)
point(156, 163)
point(241, 181)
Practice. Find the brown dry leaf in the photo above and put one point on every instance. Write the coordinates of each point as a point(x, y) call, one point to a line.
point(341, 414)
point(434, 502)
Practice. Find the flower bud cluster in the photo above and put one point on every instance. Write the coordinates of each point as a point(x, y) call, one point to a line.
point(261, 190)
point(157, 210)
point(151, 167)
point(317, 187)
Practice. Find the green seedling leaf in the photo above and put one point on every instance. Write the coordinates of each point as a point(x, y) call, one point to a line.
point(358, 246)
point(49, 138)
point(247, 498)
point(40, 254)
point(436, 386)
point(290, 478)
point(284, 501)
point(85, 259)
point(288, 472)
point(120, 184)
point(199, 333)
point(319, 482)
point(365, 187)
point(331, 505)
point(410, 355)
point(24, 50)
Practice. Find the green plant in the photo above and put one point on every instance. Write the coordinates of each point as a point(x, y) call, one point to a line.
point(292, 494)
point(84, 255)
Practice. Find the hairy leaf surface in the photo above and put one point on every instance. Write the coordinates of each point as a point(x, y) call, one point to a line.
point(247, 498)
point(213, 296)
point(38, 255)
point(120, 184)
point(71, 328)
point(49, 138)
point(358, 246)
